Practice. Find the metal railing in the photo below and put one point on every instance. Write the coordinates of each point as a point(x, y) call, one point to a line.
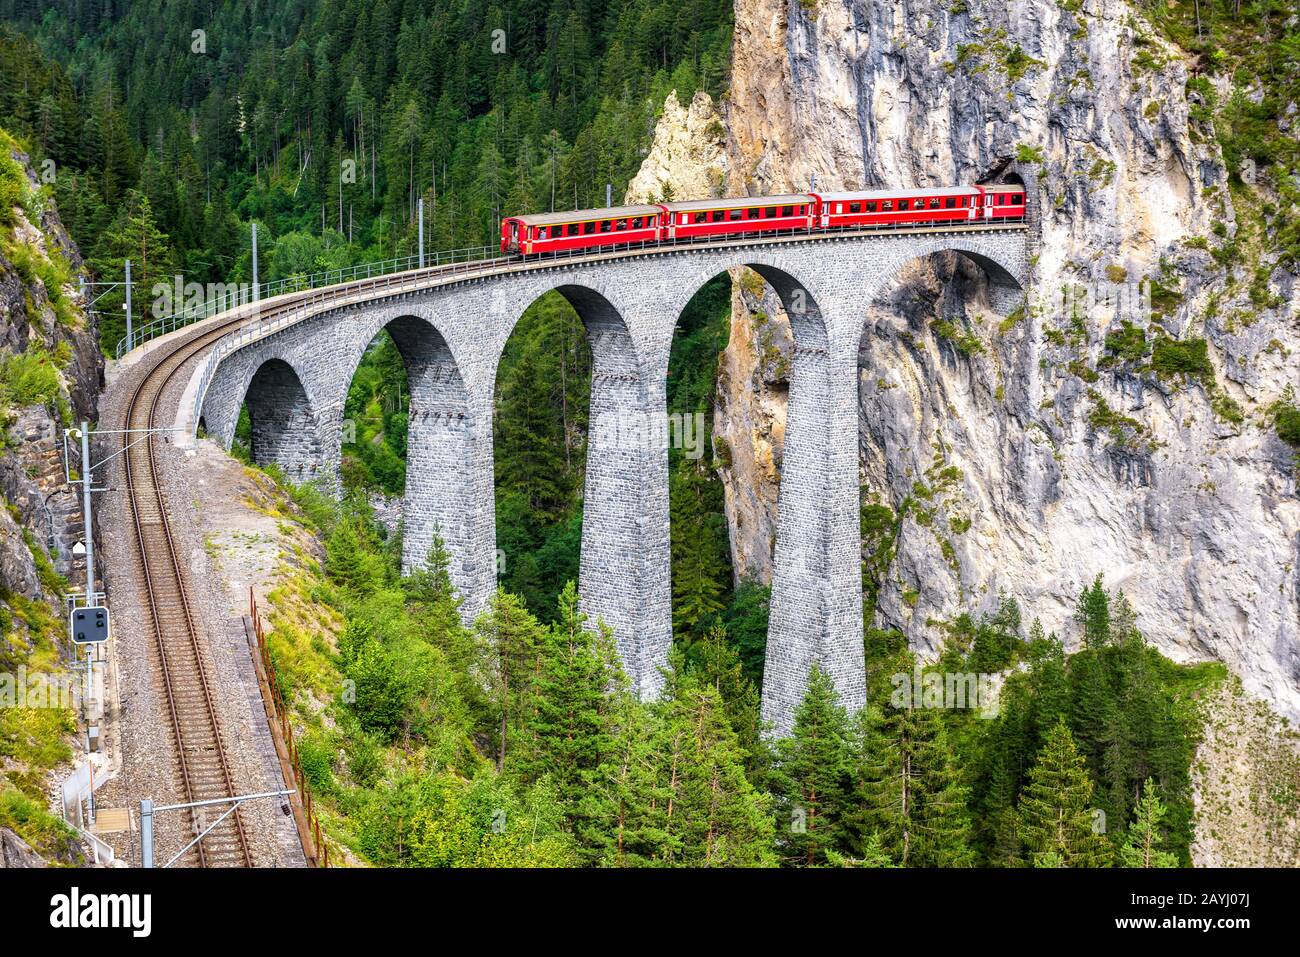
point(314, 846)
point(245, 295)
point(280, 316)
point(474, 254)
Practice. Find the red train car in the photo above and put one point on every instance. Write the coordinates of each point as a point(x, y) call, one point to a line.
point(1003, 201)
point(898, 207)
point(580, 229)
point(666, 222)
point(728, 217)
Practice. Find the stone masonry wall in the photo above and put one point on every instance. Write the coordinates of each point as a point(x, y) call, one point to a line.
point(452, 335)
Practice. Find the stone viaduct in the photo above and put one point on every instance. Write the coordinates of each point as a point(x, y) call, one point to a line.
point(451, 333)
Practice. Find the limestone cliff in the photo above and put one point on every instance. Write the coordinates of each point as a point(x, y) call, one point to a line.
point(50, 373)
point(1022, 454)
point(50, 370)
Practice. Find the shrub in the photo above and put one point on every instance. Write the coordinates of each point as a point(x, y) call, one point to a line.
point(1030, 154)
point(1129, 343)
point(1286, 419)
point(30, 379)
point(1187, 357)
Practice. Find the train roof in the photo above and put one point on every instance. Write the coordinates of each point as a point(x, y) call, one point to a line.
point(740, 202)
point(586, 215)
point(842, 196)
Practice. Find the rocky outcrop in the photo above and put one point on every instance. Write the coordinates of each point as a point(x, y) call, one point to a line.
point(688, 158)
point(32, 478)
point(16, 853)
point(1020, 455)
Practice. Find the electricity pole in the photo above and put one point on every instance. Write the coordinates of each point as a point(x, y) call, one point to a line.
point(130, 336)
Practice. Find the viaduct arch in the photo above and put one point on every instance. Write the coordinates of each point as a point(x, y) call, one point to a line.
point(452, 331)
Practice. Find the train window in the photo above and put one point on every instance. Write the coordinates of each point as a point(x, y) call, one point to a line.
point(1017, 199)
point(636, 222)
point(871, 206)
point(934, 202)
point(735, 214)
point(719, 215)
point(887, 205)
point(902, 204)
point(701, 217)
point(770, 212)
point(950, 203)
point(787, 210)
point(855, 207)
point(606, 225)
point(803, 210)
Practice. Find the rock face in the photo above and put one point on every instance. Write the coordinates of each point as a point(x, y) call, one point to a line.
point(688, 158)
point(15, 852)
point(1017, 461)
point(43, 508)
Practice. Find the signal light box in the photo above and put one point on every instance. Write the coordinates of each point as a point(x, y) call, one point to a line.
point(88, 626)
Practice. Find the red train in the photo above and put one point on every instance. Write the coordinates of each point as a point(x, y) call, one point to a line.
point(808, 212)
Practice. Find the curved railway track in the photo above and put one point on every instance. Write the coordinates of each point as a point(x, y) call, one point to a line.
point(178, 650)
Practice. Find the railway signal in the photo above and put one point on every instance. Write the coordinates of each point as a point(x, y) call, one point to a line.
point(88, 626)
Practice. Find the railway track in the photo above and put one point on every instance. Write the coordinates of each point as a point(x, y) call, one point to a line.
point(178, 648)
point(179, 652)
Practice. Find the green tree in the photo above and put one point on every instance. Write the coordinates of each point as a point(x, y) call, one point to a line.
point(348, 562)
point(571, 732)
point(718, 664)
point(1092, 611)
point(1145, 836)
point(812, 776)
point(1056, 808)
point(909, 788)
point(700, 576)
point(511, 638)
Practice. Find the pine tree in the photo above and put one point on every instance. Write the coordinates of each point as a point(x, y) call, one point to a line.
point(1092, 611)
point(679, 784)
point(511, 638)
point(134, 235)
point(812, 776)
point(430, 590)
point(625, 785)
point(910, 790)
point(348, 563)
point(1055, 809)
point(1145, 836)
point(719, 665)
point(571, 734)
point(699, 573)
point(435, 607)
point(713, 816)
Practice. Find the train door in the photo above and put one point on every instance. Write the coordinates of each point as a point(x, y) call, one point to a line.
point(826, 213)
